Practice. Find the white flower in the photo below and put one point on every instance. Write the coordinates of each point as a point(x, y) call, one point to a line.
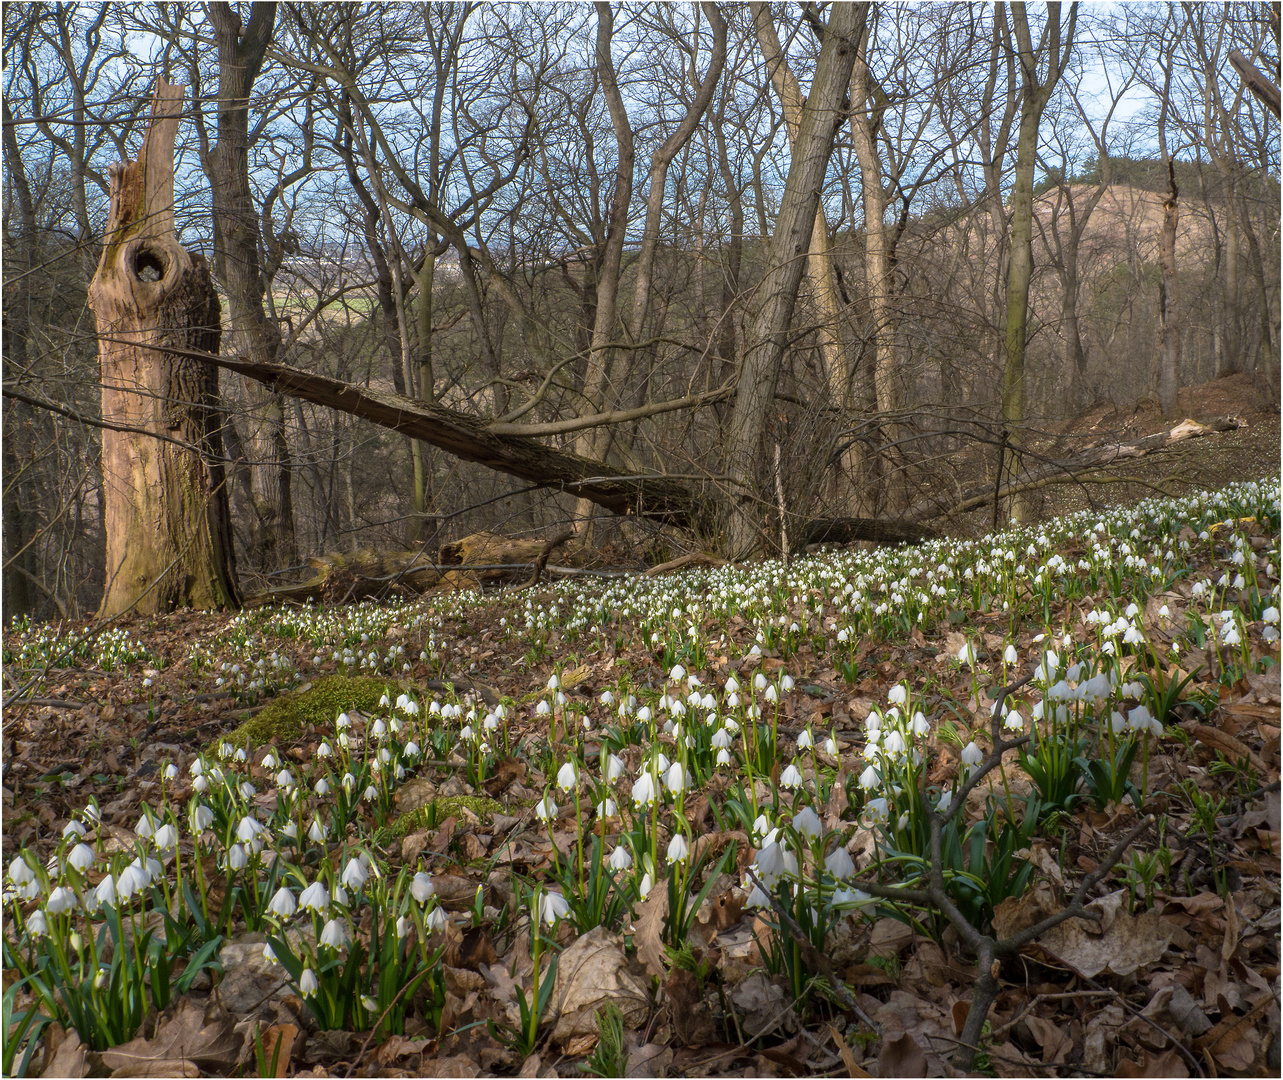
point(324, 750)
point(421, 887)
point(307, 983)
point(614, 768)
point(675, 779)
point(1009, 655)
point(270, 761)
point(898, 694)
point(355, 874)
point(831, 745)
point(435, 920)
point(171, 771)
point(967, 653)
point(237, 858)
point(607, 808)
point(333, 935)
point(166, 837)
point(839, 863)
point(82, 856)
point(620, 859)
point(772, 695)
point(791, 777)
point(643, 890)
point(945, 801)
point(644, 790)
point(972, 755)
point(1013, 720)
point(316, 832)
point(60, 900)
point(315, 898)
point(37, 925)
point(553, 906)
point(869, 778)
point(568, 776)
point(73, 828)
point(106, 892)
point(805, 740)
point(282, 903)
point(878, 809)
point(371, 794)
point(677, 848)
point(144, 828)
point(546, 809)
point(807, 822)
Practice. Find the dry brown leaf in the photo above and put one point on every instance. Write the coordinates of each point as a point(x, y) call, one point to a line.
point(1229, 746)
point(902, 1056)
point(278, 1046)
point(890, 937)
point(64, 1053)
point(591, 974)
point(648, 929)
point(197, 1032)
point(652, 1059)
point(848, 1058)
point(1017, 913)
point(1120, 943)
point(1052, 1037)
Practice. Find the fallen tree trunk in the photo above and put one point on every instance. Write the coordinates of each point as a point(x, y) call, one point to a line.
point(471, 438)
point(659, 498)
point(462, 564)
point(1096, 458)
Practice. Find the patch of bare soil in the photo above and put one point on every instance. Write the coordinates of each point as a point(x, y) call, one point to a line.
point(1206, 463)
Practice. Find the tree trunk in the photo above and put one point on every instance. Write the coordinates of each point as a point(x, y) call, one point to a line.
point(819, 263)
point(169, 538)
point(1169, 327)
point(760, 367)
point(1035, 94)
point(593, 443)
point(236, 260)
point(865, 121)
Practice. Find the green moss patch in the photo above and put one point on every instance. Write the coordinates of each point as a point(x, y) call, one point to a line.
point(290, 713)
point(435, 812)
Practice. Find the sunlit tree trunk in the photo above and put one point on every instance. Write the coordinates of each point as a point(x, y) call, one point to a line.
point(169, 540)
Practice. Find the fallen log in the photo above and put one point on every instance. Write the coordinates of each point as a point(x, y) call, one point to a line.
point(462, 564)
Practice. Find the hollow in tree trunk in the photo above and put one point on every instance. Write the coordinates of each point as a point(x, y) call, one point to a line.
point(169, 539)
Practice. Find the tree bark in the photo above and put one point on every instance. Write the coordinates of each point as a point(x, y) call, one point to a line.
point(169, 538)
point(236, 260)
point(1035, 94)
point(1169, 326)
point(819, 263)
point(790, 243)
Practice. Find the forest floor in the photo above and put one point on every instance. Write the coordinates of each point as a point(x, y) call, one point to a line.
point(673, 963)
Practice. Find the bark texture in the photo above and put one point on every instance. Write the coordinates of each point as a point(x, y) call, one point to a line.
point(236, 259)
point(787, 253)
point(169, 541)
